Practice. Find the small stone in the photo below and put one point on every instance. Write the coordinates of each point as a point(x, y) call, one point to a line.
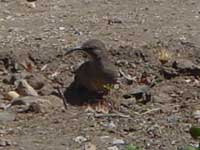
point(8, 142)
point(196, 114)
point(90, 146)
point(24, 89)
point(122, 63)
point(116, 86)
point(78, 33)
point(113, 148)
point(105, 137)
point(61, 28)
point(173, 142)
point(80, 139)
point(31, 5)
point(11, 95)
point(31, 104)
point(187, 67)
point(118, 142)
point(140, 92)
point(4, 143)
point(3, 106)
point(7, 116)
point(109, 125)
point(36, 81)
point(9, 17)
point(11, 78)
point(115, 21)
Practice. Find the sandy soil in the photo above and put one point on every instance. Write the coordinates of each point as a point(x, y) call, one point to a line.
point(139, 35)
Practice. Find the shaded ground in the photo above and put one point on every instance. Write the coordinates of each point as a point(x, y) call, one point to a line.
point(139, 34)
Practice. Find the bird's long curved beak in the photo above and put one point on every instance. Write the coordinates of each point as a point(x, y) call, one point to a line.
point(70, 50)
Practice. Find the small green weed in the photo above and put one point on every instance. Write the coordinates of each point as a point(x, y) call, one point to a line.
point(131, 147)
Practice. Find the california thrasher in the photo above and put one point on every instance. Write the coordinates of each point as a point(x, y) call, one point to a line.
point(98, 74)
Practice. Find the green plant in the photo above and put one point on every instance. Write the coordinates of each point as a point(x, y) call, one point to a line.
point(188, 148)
point(195, 133)
point(131, 147)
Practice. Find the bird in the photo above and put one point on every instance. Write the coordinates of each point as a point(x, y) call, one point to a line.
point(98, 74)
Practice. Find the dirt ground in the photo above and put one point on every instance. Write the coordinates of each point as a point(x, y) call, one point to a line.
point(148, 41)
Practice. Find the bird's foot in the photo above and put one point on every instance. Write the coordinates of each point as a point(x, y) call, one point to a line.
point(102, 109)
point(102, 106)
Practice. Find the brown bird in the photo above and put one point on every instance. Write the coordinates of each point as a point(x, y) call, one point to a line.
point(98, 74)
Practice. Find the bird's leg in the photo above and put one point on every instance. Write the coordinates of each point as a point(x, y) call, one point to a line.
point(60, 91)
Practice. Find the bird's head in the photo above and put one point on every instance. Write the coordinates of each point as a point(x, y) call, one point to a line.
point(93, 48)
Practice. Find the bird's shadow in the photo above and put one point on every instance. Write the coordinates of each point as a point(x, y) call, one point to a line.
point(78, 95)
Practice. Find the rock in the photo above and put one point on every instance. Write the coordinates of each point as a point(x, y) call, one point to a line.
point(114, 21)
point(3, 106)
point(179, 67)
point(46, 90)
point(90, 146)
point(105, 139)
point(7, 116)
point(3, 143)
point(6, 142)
point(173, 119)
point(109, 125)
point(162, 97)
point(80, 139)
point(186, 67)
point(36, 81)
point(11, 78)
point(121, 63)
point(128, 79)
point(61, 28)
point(4, 1)
point(116, 86)
point(141, 91)
point(31, 104)
point(196, 114)
point(24, 89)
point(11, 95)
point(118, 142)
point(31, 4)
point(113, 148)
point(1, 96)
point(168, 72)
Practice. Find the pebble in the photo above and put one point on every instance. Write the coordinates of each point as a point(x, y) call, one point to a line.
point(196, 114)
point(7, 116)
point(118, 142)
point(105, 139)
point(24, 89)
point(36, 81)
point(11, 95)
point(4, 143)
point(80, 139)
point(90, 146)
point(31, 104)
point(109, 125)
point(186, 66)
point(113, 148)
point(31, 5)
point(61, 28)
point(116, 86)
